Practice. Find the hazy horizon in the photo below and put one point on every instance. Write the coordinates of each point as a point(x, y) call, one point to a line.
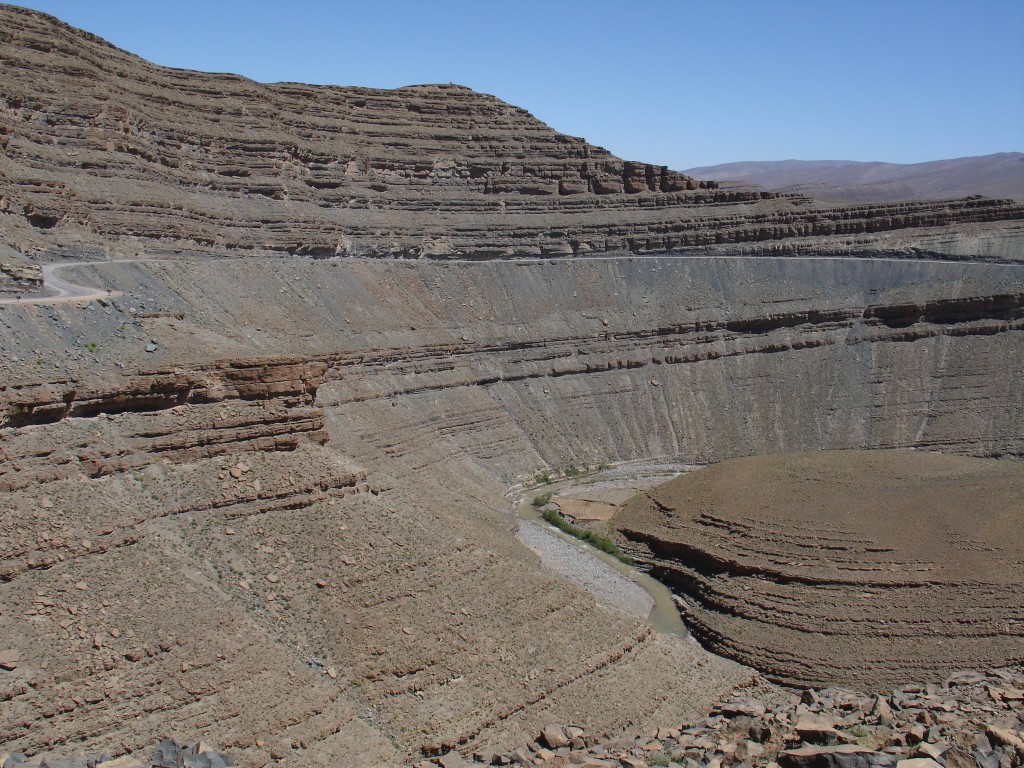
point(847, 160)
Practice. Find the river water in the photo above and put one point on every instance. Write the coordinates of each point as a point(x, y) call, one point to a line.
point(664, 614)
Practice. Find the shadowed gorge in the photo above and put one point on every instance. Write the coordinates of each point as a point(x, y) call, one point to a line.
point(257, 484)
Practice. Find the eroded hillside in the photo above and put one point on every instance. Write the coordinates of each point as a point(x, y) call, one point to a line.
point(176, 498)
point(106, 152)
point(862, 568)
point(266, 501)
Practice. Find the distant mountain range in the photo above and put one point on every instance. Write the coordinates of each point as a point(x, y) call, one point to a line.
point(1000, 175)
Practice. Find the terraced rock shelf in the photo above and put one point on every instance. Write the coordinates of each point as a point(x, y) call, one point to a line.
point(101, 148)
point(254, 487)
point(862, 568)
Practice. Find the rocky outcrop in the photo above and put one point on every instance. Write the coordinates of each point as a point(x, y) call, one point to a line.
point(970, 719)
point(816, 567)
point(101, 147)
point(238, 406)
point(292, 382)
point(20, 277)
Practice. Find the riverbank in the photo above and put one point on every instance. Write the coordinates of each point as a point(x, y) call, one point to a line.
point(604, 582)
point(614, 584)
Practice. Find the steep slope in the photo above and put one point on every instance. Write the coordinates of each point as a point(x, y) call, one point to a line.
point(182, 494)
point(105, 152)
point(266, 501)
point(998, 175)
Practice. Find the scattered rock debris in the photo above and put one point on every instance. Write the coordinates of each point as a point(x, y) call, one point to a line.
point(167, 754)
point(974, 720)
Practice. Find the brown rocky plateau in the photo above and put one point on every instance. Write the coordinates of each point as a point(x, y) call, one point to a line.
point(256, 489)
point(868, 568)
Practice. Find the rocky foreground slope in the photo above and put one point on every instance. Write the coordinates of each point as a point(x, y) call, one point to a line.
point(971, 719)
point(265, 501)
point(105, 151)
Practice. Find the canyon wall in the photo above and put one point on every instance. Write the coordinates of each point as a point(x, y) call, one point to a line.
point(105, 153)
point(260, 493)
point(182, 552)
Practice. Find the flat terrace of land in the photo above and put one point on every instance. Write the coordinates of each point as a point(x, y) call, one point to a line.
point(854, 567)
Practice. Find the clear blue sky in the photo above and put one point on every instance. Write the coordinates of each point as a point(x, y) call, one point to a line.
point(672, 82)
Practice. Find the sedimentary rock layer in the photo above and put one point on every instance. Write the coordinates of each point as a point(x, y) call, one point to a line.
point(853, 567)
point(19, 277)
point(259, 406)
point(183, 554)
point(102, 150)
point(439, 386)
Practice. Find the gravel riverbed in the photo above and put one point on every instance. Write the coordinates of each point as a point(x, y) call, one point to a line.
point(585, 570)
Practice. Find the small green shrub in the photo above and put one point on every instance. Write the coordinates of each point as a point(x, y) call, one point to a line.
point(542, 478)
point(571, 471)
point(542, 500)
point(595, 540)
point(659, 759)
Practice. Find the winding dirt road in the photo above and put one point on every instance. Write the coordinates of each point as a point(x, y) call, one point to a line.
point(60, 290)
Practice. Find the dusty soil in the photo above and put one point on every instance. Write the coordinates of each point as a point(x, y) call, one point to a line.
point(852, 567)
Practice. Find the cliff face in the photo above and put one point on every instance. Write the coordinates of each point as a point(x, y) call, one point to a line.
point(100, 146)
point(18, 277)
point(265, 501)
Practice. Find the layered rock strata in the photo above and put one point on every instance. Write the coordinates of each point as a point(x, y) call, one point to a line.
point(17, 277)
point(182, 552)
point(102, 150)
point(972, 718)
point(861, 568)
point(395, 612)
point(206, 481)
point(411, 619)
